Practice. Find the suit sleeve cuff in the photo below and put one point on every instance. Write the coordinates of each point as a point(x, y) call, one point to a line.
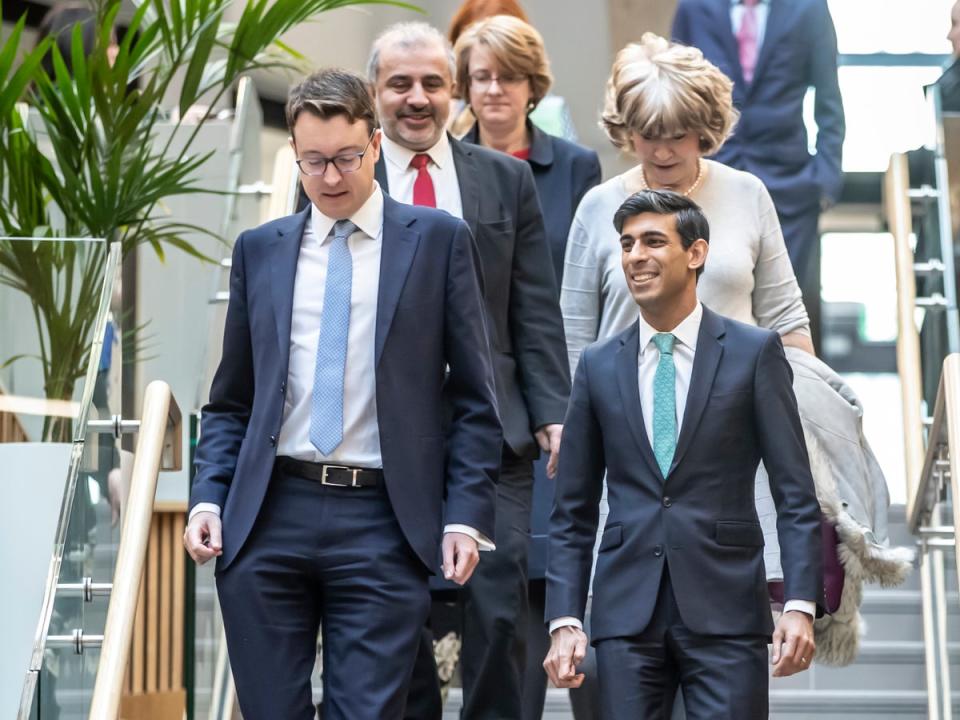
point(565, 621)
point(483, 542)
point(805, 606)
point(204, 507)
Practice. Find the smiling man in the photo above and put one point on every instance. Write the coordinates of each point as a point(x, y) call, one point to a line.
point(678, 410)
point(412, 68)
point(320, 472)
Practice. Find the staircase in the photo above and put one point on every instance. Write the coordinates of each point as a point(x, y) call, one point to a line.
point(887, 682)
point(888, 679)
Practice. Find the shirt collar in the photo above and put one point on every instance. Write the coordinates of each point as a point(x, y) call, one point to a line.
point(368, 219)
point(400, 157)
point(686, 332)
point(734, 3)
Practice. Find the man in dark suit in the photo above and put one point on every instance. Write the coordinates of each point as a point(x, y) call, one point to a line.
point(774, 51)
point(324, 446)
point(678, 410)
point(411, 69)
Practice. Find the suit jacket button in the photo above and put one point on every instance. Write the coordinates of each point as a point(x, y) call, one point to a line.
point(658, 551)
point(273, 440)
point(667, 502)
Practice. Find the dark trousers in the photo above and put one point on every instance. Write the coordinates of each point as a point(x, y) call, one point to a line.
point(495, 615)
point(323, 557)
point(802, 236)
point(721, 677)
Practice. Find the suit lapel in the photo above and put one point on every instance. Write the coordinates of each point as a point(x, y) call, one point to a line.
point(730, 44)
point(629, 384)
point(705, 362)
point(284, 254)
point(467, 178)
point(399, 246)
point(380, 174)
point(777, 25)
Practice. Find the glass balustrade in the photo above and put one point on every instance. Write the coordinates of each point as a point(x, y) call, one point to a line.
point(61, 468)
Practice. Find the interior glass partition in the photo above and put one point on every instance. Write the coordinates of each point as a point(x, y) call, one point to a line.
point(60, 466)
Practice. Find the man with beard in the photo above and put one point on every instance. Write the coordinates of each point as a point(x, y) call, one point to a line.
point(411, 68)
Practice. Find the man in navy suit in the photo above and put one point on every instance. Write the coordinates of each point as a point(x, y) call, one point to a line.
point(678, 410)
point(774, 51)
point(325, 447)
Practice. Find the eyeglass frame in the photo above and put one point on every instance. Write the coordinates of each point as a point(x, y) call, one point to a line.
point(513, 82)
point(346, 156)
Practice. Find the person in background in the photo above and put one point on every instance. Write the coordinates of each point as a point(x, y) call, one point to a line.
point(503, 73)
point(775, 51)
point(59, 23)
point(412, 69)
point(552, 115)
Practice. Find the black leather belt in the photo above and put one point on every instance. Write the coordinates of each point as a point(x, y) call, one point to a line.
point(332, 475)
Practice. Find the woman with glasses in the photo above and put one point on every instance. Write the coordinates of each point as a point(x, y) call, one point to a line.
point(552, 114)
point(502, 74)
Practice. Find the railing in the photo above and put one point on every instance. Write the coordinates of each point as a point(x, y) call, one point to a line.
point(926, 464)
point(158, 446)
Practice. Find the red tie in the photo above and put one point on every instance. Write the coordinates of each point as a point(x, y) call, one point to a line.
point(747, 38)
point(423, 193)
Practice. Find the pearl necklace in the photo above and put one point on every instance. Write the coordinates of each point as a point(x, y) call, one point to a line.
point(688, 191)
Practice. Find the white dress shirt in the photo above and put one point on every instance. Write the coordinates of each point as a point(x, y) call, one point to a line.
point(684, 349)
point(361, 432)
point(400, 176)
point(761, 10)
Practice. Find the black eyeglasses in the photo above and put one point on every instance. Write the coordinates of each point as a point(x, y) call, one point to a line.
point(347, 163)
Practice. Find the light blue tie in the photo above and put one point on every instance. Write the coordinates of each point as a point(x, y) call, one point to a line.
point(326, 414)
point(664, 403)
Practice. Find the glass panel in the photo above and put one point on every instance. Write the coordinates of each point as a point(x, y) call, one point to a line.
point(55, 376)
point(868, 26)
point(879, 124)
point(872, 287)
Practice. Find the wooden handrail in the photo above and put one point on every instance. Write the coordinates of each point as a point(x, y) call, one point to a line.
point(944, 434)
point(286, 185)
point(900, 222)
point(158, 445)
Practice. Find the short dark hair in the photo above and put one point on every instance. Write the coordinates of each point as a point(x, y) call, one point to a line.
point(331, 92)
point(691, 222)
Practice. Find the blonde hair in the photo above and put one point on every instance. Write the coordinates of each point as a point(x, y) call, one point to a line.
point(516, 45)
point(658, 88)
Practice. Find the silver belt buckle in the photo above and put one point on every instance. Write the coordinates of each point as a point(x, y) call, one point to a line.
point(324, 481)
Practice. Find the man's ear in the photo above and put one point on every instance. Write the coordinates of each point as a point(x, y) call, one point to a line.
point(293, 144)
point(698, 253)
point(375, 145)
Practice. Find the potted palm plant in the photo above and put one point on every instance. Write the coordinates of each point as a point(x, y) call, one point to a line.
point(89, 164)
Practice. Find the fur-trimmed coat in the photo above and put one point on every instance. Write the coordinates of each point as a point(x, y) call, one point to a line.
point(853, 495)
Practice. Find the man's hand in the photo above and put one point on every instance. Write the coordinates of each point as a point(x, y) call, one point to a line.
point(793, 645)
point(568, 648)
point(460, 557)
point(202, 538)
point(548, 437)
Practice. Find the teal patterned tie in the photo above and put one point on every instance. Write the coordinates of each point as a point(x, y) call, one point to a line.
point(664, 403)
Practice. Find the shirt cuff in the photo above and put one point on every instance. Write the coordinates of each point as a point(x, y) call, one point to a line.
point(805, 606)
point(204, 507)
point(565, 621)
point(483, 542)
